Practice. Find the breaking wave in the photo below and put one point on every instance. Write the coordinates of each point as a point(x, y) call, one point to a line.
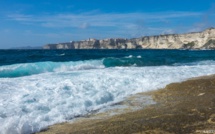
point(26, 69)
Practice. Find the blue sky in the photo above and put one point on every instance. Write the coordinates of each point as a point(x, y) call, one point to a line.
point(39, 22)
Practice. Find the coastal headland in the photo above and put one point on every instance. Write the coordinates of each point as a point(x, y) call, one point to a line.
point(194, 40)
point(180, 108)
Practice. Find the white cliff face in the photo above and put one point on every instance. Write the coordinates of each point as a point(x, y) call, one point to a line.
point(177, 41)
point(197, 40)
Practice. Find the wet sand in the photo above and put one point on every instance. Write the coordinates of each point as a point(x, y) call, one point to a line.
point(180, 108)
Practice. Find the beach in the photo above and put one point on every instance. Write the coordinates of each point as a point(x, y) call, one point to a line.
point(91, 91)
point(186, 107)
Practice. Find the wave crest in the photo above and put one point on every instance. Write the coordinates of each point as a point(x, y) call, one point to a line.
point(26, 69)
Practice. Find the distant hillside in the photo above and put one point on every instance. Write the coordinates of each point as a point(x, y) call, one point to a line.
point(196, 40)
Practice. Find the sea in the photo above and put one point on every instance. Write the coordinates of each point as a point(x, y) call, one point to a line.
point(39, 88)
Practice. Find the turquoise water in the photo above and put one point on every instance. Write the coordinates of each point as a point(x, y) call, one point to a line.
point(16, 63)
point(39, 88)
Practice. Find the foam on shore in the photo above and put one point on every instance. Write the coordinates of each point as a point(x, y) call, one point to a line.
point(186, 107)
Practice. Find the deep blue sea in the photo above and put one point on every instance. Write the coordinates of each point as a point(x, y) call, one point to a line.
point(39, 88)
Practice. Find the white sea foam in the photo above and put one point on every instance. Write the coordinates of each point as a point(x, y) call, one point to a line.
point(30, 103)
point(130, 56)
point(206, 62)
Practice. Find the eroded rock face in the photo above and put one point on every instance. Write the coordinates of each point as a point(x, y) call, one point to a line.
point(197, 40)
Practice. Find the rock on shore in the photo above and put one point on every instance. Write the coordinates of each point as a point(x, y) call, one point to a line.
point(196, 40)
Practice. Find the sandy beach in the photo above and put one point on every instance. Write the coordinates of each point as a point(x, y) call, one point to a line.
point(186, 107)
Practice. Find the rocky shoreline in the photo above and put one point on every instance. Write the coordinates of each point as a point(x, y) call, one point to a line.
point(197, 40)
point(186, 107)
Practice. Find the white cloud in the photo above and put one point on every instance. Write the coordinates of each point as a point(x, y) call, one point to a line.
point(20, 17)
point(83, 20)
point(168, 31)
point(84, 25)
point(89, 24)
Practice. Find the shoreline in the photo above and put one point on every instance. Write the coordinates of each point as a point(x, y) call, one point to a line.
point(186, 107)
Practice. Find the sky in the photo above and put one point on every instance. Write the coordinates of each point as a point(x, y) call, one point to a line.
point(39, 22)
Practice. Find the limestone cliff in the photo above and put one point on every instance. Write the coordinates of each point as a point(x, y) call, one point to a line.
point(197, 40)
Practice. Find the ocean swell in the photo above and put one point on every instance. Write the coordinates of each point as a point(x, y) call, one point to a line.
point(27, 69)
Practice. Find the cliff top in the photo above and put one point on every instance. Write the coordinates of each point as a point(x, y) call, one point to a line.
point(208, 29)
point(191, 40)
